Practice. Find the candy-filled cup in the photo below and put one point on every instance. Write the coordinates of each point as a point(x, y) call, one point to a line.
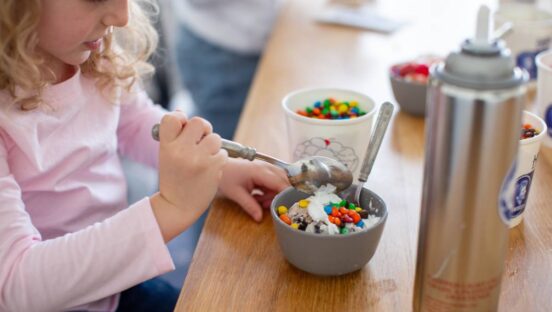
point(343, 139)
point(528, 152)
point(324, 254)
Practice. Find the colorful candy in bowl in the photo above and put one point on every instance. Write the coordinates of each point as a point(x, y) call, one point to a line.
point(326, 234)
point(409, 84)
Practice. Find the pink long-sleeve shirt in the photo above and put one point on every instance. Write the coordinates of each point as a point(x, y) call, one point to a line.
point(68, 240)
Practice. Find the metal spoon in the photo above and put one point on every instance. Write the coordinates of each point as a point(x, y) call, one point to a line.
point(306, 175)
point(384, 116)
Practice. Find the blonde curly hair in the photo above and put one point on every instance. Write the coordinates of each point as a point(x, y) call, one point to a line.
point(125, 51)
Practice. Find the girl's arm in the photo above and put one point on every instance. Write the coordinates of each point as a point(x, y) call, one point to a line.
point(126, 249)
point(98, 261)
point(138, 115)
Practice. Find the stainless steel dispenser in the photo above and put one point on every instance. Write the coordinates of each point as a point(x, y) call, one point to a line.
point(474, 109)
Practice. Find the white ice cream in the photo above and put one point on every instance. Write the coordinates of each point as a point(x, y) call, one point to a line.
point(323, 196)
point(317, 218)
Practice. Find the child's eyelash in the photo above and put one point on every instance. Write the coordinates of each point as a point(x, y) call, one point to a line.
point(98, 1)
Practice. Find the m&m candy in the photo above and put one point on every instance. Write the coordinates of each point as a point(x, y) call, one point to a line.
point(527, 131)
point(333, 109)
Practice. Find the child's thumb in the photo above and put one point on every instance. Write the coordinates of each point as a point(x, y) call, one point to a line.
point(248, 203)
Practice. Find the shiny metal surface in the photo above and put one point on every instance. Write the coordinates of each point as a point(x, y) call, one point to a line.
point(471, 142)
point(310, 173)
point(306, 175)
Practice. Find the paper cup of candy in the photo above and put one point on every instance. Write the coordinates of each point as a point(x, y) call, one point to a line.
point(331, 122)
point(328, 236)
point(532, 133)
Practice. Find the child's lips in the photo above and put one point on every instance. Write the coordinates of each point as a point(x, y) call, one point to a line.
point(93, 45)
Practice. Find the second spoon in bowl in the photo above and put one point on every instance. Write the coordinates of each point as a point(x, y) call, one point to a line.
point(382, 121)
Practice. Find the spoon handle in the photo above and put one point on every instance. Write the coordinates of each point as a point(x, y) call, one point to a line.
point(384, 116)
point(236, 150)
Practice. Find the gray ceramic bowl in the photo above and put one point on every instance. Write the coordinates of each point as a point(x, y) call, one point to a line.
point(410, 95)
point(323, 254)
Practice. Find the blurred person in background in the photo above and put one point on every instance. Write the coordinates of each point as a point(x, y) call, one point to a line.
point(218, 45)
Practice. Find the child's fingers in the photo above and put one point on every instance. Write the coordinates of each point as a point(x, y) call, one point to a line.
point(248, 203)
point(266, 198)
point(266, 203)
point(180, 114)
point(196, 128)
point(273, 179)
point(266, 195)
point(211, 143)
point(280, 174)
point(171, 126)
point(276, 173)
point(221, 157)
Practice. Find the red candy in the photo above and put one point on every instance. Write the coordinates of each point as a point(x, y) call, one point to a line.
point(422, 69)
point(347, 219)
point(415, 71)
point(407, 69)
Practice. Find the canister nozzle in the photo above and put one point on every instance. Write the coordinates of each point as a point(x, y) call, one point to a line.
point(483, 61)
point(482, 43)
point(483, 27)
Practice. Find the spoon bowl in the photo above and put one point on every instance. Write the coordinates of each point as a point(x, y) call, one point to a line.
point(309, 174)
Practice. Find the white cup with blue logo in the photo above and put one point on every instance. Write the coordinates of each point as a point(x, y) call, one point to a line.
point(531, 33)
point(544, 93)
point(527, 156)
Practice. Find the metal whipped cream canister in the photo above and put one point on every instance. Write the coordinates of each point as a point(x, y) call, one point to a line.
point(475, 99)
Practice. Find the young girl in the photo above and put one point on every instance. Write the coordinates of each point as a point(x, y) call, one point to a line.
point(69, 103)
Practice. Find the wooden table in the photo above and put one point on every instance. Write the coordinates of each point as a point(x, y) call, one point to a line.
point(238, 265)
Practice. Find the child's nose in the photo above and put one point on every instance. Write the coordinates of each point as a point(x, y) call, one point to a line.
point(116, 13)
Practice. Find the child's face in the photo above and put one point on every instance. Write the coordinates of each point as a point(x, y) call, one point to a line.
point(70, 29)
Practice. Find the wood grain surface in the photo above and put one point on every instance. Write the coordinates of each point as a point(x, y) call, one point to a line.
point(238, 265)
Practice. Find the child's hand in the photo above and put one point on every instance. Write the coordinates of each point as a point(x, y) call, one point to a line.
point(241, 177)
point(190, 163)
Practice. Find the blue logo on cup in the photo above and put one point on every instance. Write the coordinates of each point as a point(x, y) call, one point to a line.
point(506, 205)
point(526, 60)
point(521, 193)
point(548, 119)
